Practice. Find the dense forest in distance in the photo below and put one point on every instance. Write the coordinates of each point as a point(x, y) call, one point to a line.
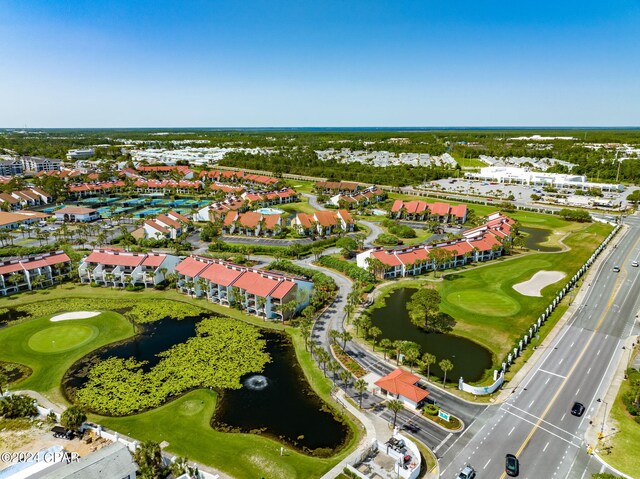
point(296, 148)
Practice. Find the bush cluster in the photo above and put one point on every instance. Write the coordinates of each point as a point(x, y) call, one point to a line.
point(399, 230)
point(350, 269)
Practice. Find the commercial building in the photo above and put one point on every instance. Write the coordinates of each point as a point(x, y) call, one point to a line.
point(13, 220)
point(112, 267)
point(515, 175)
point(33, 272)
point(402, 385)
point(257, 291)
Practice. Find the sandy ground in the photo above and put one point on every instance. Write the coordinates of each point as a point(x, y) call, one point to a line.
point(75, 315)
point(538, 282)
point(37, 435)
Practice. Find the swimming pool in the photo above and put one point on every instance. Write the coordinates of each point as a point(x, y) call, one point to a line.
point(379, 212)
point(269, 211)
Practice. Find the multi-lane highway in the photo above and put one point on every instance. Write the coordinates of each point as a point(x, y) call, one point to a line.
point(536, 423)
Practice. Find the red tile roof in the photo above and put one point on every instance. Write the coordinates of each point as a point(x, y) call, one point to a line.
point(154, 260)
point(403, 383)
point(115, 258)
point(191, 266)
point(282, 289)
point(74, 210)
point(221, 274)
point(255, 283)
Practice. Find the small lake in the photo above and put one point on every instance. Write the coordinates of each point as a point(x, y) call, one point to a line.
point(277, 402)
point(534, 238)
point(470, 360)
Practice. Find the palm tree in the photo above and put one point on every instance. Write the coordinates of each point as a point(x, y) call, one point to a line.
point(374, 332)
point(411, 355)
point(446, 366)
point(305, 329)
point(345, 336)
point(261, 302)
point(323, 358)
point(386, 345)
point(346, 377)
point(333, 366)
point(361, 386)
point(397, 346)
point(427, 360)
point(395, 406)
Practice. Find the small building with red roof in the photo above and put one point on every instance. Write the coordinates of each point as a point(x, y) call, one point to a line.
point(417, 210)
point(402, 385)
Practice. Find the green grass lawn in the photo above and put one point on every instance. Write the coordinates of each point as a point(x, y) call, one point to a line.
point(470, 162)
point(49, 349)
point(624, 452)
point(184, 424)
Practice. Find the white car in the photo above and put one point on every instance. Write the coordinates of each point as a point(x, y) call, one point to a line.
point(634, 264)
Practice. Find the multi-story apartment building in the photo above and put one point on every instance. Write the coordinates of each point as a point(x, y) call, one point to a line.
point(37, 164)
point(33, 272)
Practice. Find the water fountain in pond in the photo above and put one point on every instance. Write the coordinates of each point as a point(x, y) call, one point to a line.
point(256, 382)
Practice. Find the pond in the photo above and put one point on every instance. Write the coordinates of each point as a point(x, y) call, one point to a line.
point(470, 360)
point(534, 237)
point(278, 402)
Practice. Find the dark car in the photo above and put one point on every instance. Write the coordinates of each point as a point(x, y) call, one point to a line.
point(577, 409)
point(616, 269)
point(512, 466)
point(62, 433)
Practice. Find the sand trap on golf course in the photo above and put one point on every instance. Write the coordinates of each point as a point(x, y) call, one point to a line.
point(75, 315)
point(538, 282)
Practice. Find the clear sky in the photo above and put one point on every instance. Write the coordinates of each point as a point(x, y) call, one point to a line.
point(252, 63)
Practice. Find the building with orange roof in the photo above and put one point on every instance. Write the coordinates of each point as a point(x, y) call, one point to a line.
point(257, 291)
point(251, 223)
point(76, 214)
point(482, 243)
point(402, 385)
point(323, 222)
point(359, 198)
point(111, 267)
point(417, 210)
point(33, 272)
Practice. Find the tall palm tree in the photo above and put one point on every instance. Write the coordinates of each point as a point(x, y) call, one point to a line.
point(346, 377)
point(323, 358)
point(446, 366)
point(411, 355)
point(361, 386)
point(395, 406)
point(385, 344)
point(333, 366)
point(427, 360)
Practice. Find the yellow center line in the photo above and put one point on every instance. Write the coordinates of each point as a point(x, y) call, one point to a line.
point(616, 289)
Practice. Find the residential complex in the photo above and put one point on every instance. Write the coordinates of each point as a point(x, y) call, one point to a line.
point(37, 164)
point(259, 292)
point(32, 272)
point(482, 243)
point(423, 211)
point(113, 267)
point(323, 223)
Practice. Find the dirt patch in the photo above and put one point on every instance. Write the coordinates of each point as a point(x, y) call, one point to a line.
point(22, 435)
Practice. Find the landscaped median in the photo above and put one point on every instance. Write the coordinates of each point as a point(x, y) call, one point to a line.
point(51, 349)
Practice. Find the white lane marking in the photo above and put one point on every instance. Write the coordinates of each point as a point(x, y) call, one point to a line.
point(598, 352)
point(443, 442)
point(560, 362)
point(485, 466)
point(545, 446)
point(553, 374)
point(577, 391)
point(573, 436)
point(547, 381)
point(589, 371)
point(572, 344)
point(531, 403)
point(562, 418)
point(511, 431)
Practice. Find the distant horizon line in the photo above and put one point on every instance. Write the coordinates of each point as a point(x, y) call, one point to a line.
point(407, 129)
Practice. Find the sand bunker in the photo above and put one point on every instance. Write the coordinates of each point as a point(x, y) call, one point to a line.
point(538, 282)
point(75, 315)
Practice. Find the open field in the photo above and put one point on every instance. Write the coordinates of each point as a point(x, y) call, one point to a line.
point(51, 348)
point(624, 452)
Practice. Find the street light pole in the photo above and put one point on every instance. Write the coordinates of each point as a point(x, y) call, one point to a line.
point(601, 435)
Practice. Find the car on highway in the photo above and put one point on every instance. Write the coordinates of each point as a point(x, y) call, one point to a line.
point(577, 409)
point(411, 428)
point(616, 269)
point(467, 473)
point(512, 466)
point(634, 264)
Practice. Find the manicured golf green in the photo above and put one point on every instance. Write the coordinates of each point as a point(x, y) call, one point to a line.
point(49, 349)
point(57, 339)
point(484, 302)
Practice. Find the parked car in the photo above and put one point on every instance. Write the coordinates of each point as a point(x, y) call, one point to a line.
point(62, 433)
point(512, 466)
point(577, 409)
point(467, 473)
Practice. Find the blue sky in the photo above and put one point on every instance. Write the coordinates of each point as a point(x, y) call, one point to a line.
point(321, 63)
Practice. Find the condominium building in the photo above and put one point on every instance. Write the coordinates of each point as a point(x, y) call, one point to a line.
point(33, 272)
point(257, 291)
point(112, 267)
point(37, 164)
